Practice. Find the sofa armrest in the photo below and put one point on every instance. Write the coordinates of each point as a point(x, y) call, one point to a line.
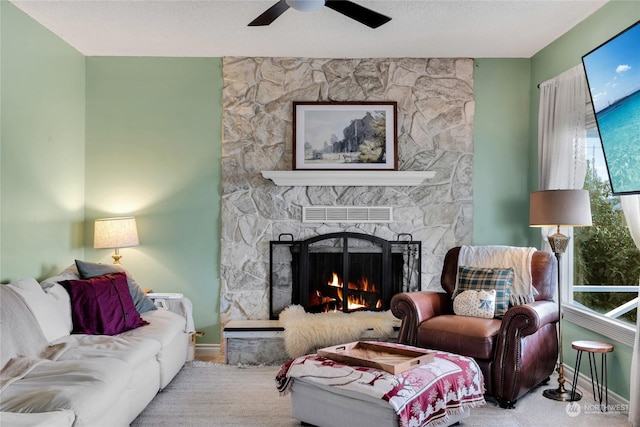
point(414, 308)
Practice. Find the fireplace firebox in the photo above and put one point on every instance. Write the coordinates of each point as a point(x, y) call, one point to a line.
point(342, 272)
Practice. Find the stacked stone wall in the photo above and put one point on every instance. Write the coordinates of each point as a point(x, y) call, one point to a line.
point(435, 127)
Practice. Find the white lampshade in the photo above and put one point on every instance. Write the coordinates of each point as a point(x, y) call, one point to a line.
point(553, 208)
point(305, 5)
point(115, 233)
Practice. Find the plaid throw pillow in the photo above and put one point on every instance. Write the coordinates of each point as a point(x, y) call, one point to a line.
point(475, 278)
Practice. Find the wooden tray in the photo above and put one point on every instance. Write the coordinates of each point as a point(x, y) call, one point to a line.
point(373, 355)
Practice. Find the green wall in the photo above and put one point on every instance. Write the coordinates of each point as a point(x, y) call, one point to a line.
point(561, 55)
point(42, 80)
point(500, 152)
point(153, 150)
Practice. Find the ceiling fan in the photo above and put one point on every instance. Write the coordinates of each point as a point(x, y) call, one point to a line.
point(348, 8)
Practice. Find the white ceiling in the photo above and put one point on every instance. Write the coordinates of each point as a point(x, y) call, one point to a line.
point(212, 28)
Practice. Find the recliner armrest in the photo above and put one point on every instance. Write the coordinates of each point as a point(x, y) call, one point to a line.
point(414, 308)
point(528, 318)
point(528, 338)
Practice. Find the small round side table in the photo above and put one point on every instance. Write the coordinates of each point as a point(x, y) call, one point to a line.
point(593, 347)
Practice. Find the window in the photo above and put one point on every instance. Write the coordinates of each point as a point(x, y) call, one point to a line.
point(606, 261)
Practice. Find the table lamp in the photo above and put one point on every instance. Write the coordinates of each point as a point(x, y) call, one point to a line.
point(115, 233)
point(556, 208)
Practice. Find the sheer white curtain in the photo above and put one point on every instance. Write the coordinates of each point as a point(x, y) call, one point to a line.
point(631, 207)
point(561, 131)
point(562, 139)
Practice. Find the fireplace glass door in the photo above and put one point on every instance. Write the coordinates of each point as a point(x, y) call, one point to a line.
point(342, 272)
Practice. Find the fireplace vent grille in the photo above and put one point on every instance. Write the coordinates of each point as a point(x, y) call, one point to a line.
point(351, 214)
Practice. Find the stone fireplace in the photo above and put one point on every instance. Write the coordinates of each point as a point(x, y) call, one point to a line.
point(435, 127)
point(341, 272)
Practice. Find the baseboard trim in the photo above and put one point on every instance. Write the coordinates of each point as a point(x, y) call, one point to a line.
point(207, 349)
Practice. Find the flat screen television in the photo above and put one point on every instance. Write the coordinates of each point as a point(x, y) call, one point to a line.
point(613, 77)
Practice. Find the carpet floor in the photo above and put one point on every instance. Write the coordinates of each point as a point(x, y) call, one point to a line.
point(207, 394)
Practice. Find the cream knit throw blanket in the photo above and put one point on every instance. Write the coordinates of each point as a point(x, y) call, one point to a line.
point(304, 332)
point(522, 290)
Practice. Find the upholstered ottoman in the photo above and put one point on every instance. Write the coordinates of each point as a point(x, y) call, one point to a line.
point(327, 393)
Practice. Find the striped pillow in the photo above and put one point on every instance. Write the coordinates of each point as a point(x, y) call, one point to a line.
point(475, 278)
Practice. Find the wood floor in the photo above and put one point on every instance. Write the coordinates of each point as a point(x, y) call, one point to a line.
point(215, 358)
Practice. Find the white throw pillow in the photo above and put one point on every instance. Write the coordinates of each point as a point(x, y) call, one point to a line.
point(62, 302)
point(59, 295)
point(475, 303)
point(52, 324)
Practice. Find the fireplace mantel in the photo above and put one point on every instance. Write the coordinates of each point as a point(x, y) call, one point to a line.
point(373, 178)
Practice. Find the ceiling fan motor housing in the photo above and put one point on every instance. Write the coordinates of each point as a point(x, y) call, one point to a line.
point(305, 5)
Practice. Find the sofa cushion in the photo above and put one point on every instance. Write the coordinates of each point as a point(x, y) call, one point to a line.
point(469, 336)
point(102, 305)
point(163, 327)
point(475, 278)
point(475, 303)
point(133, 350)
point(88, 270)
point(50, 320)
point(88, 387)
point(61, 418)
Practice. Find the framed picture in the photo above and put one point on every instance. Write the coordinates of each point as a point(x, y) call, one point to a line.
point(345, 135)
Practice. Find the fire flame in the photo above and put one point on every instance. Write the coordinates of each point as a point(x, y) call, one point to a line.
point(354, 302)
point(363, 285)
point(335, 282)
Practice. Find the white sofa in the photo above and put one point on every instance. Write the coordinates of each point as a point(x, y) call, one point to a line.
point(53, 377)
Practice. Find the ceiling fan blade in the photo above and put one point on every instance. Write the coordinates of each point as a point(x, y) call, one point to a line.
point(270, 14)
point(361, 14)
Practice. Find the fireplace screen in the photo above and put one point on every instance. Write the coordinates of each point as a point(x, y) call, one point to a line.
point(342, 272)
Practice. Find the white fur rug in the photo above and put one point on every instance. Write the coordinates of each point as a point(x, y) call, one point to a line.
point(304, 332)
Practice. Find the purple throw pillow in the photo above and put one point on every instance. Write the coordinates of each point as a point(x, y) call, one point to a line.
point(102, 305)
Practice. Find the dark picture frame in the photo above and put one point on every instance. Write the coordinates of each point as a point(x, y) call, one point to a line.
point(345, 136)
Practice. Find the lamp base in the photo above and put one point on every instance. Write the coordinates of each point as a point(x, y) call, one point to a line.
point(562, 395)
point(116, 256)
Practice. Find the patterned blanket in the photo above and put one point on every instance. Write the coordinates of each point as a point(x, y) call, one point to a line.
point(424, 396)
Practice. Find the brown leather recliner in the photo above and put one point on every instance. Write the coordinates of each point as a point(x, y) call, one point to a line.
point(516, 353)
